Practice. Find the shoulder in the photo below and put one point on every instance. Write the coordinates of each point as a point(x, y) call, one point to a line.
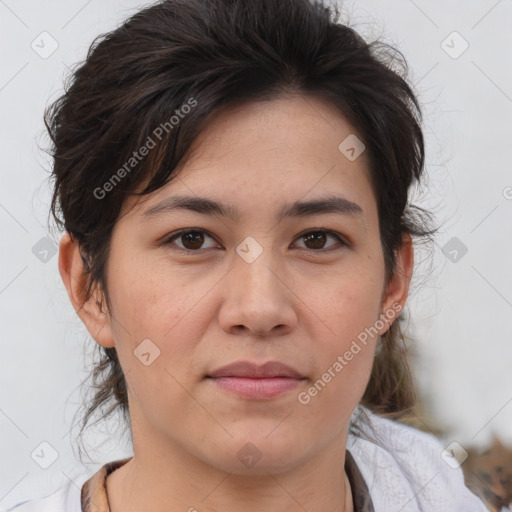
point(404, 470)
point(58, 497)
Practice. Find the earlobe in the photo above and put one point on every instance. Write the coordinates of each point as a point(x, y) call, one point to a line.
point(93, 311)
point(398, 289)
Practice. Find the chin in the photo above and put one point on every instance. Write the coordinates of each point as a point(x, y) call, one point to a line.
point(258, 454)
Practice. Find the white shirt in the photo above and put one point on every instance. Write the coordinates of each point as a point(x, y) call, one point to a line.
point(404, 471)
point(401, 466)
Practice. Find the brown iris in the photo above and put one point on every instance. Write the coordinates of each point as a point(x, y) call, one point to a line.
point(318, 238)
point(195, 239)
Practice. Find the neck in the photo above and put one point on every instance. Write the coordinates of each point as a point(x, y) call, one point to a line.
point(160, 481)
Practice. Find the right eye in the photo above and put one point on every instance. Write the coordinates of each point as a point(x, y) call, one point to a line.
point(191, 239)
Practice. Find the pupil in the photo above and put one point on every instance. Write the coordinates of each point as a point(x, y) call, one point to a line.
point(318, 239)
point(189, 237)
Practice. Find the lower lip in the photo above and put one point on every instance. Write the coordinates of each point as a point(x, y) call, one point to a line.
point(256, 388)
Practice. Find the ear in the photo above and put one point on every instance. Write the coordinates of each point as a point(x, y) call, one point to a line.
point(94, 312)
point(395, 295)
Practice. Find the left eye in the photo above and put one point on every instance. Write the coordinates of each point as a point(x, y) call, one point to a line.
point(318, 238)
point(193, 239)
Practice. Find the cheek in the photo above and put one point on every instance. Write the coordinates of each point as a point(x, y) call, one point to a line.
point(349, 312)
point(340, 381)
point(150, 299)
point(154, 336)
point(349, 308)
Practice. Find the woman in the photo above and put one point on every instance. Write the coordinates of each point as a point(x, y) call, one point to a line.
point(232, 178)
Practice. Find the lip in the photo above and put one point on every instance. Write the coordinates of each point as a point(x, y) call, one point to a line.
point(250, 370)
point(253, 381)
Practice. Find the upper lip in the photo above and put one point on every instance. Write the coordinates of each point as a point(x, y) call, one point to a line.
point(255, 371)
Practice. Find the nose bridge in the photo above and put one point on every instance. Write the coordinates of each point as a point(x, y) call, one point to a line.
point(258, 298)
point(256, 266)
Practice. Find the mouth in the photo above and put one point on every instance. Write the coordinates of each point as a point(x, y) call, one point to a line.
point(252, 381)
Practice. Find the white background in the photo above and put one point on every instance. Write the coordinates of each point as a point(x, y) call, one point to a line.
point(461, 310)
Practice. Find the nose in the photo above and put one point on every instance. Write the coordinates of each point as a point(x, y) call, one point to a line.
point(258, 298)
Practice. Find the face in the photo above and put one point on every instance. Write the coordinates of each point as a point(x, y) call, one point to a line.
point(195, 288)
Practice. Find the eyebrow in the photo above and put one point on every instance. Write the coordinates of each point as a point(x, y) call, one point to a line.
point(205, 206)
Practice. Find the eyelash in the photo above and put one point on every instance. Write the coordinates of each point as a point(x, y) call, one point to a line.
point(177, 234)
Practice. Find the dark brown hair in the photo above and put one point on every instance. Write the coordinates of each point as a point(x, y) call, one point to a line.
point(218, 53)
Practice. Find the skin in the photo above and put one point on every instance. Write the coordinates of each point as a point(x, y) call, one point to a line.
point(300, 302)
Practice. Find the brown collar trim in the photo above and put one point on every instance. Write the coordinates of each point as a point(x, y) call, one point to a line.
point(360, 493)
point(94, 493)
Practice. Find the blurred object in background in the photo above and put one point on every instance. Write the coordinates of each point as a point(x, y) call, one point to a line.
point(489, 475)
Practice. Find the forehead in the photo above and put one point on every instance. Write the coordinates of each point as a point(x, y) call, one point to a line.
point(269, 154)
point(307, 125)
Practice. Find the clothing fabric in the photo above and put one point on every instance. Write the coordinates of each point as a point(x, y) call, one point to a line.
point(391, 468)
